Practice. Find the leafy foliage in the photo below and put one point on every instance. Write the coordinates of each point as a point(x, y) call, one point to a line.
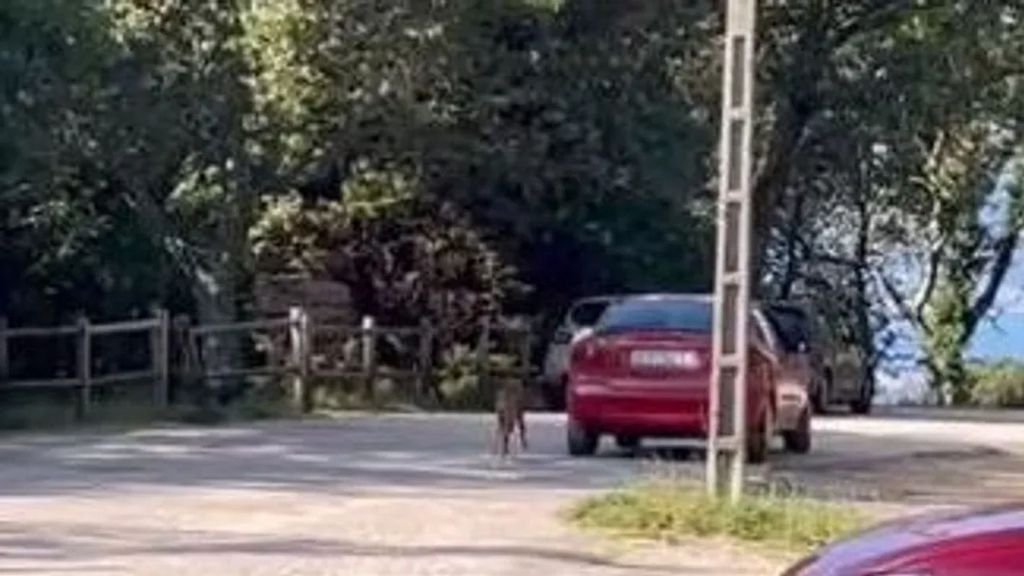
point(405, 261)
point(997, 385)
point(907, 137)
point(437, 155)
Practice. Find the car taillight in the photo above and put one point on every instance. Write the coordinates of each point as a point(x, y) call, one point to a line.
point(587, 352)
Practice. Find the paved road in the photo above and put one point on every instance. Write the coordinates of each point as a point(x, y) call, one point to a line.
point(376, 496)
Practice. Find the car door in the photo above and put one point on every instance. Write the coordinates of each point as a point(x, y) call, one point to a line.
point(764, 361)
point(848, 369)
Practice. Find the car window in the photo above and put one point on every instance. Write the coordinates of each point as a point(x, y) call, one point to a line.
point(670, 314)
point(791, 327)
point(586, 314)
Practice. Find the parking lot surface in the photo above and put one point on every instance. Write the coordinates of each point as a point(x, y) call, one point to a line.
point(382, 495)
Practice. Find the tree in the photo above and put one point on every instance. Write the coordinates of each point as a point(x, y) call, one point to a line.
point(920, 171)
point(404, 260)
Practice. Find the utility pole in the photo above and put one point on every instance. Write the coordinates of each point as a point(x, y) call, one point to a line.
point(727, 423)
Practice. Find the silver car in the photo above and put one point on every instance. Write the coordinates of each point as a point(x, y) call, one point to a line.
point(581, 316)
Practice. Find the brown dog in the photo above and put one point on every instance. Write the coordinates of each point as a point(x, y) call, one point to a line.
point(510, 412)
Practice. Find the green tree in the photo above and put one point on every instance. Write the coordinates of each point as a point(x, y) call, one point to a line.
point(913, 147)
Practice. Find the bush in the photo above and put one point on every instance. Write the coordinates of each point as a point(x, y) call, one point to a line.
point(459, 378)
point(998, 385)
point(668, 511)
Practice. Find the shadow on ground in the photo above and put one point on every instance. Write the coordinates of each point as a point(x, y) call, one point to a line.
point(368, 453)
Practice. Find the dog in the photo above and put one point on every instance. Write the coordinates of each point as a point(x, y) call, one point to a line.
point(510, 416)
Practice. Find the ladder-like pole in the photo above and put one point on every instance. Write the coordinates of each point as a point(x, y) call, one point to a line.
point(727, 424)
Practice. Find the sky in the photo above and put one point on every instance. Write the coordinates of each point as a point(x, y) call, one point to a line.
point(1000, 336)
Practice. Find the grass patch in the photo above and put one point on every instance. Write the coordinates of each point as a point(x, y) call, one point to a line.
point(671, 511)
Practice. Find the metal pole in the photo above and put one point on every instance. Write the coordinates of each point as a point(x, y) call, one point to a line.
point(726, 411)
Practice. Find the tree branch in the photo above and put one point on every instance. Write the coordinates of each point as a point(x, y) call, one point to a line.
point(833, 259)
point(931, 278)
point(872, 16)
point(901, 304)
point(1005, 249)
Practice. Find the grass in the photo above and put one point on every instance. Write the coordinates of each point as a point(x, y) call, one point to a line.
point(673, 511)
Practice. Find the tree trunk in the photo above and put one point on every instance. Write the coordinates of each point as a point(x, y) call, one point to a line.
point(944, 352)
point(792, 240)
point(947, 376)
point(215, 293)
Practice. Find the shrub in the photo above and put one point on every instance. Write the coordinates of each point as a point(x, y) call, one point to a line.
point(998, 385)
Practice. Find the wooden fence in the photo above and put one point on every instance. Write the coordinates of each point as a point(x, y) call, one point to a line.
point(84, 381)
point(297, 349)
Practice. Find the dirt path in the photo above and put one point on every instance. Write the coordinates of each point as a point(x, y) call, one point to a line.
point(368, 496)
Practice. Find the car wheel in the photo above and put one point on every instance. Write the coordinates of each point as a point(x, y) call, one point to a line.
point(758, 440)
point(862, 405)
point(581, 442)
point(799, 440)
point(627, 442)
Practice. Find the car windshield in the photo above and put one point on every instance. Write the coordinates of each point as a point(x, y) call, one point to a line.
point(669, 314)
point(791, 327)
point(586, 314)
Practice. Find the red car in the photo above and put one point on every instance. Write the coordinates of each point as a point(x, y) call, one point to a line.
point(645, 370)
point(988, 542)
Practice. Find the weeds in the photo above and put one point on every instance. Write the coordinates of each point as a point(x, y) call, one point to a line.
point(670, 511)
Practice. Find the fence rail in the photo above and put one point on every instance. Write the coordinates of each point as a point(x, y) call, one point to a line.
point(84, 382)
point(124, 327)
point(248, 326)
point(292, 348)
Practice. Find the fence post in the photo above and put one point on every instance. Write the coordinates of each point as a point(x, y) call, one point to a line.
point(483, 357)
point(369, 336)
point(5, 367)
point(84, 368)
point(300, 347)
point(186, 377)
point(425, 364)
point(160, 348)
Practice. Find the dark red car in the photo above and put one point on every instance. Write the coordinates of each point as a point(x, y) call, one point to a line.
point(988, 542)
point(644, 372)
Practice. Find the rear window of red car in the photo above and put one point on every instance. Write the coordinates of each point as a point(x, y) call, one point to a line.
point(669, 314)
point(586, 314)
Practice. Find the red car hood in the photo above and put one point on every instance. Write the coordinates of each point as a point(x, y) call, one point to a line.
point(901, 544)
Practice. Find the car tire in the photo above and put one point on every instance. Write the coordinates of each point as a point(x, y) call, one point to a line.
point(862, 405)
point(627, 442)
point(799, 441)
point(759, 440)
point(581, 442)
